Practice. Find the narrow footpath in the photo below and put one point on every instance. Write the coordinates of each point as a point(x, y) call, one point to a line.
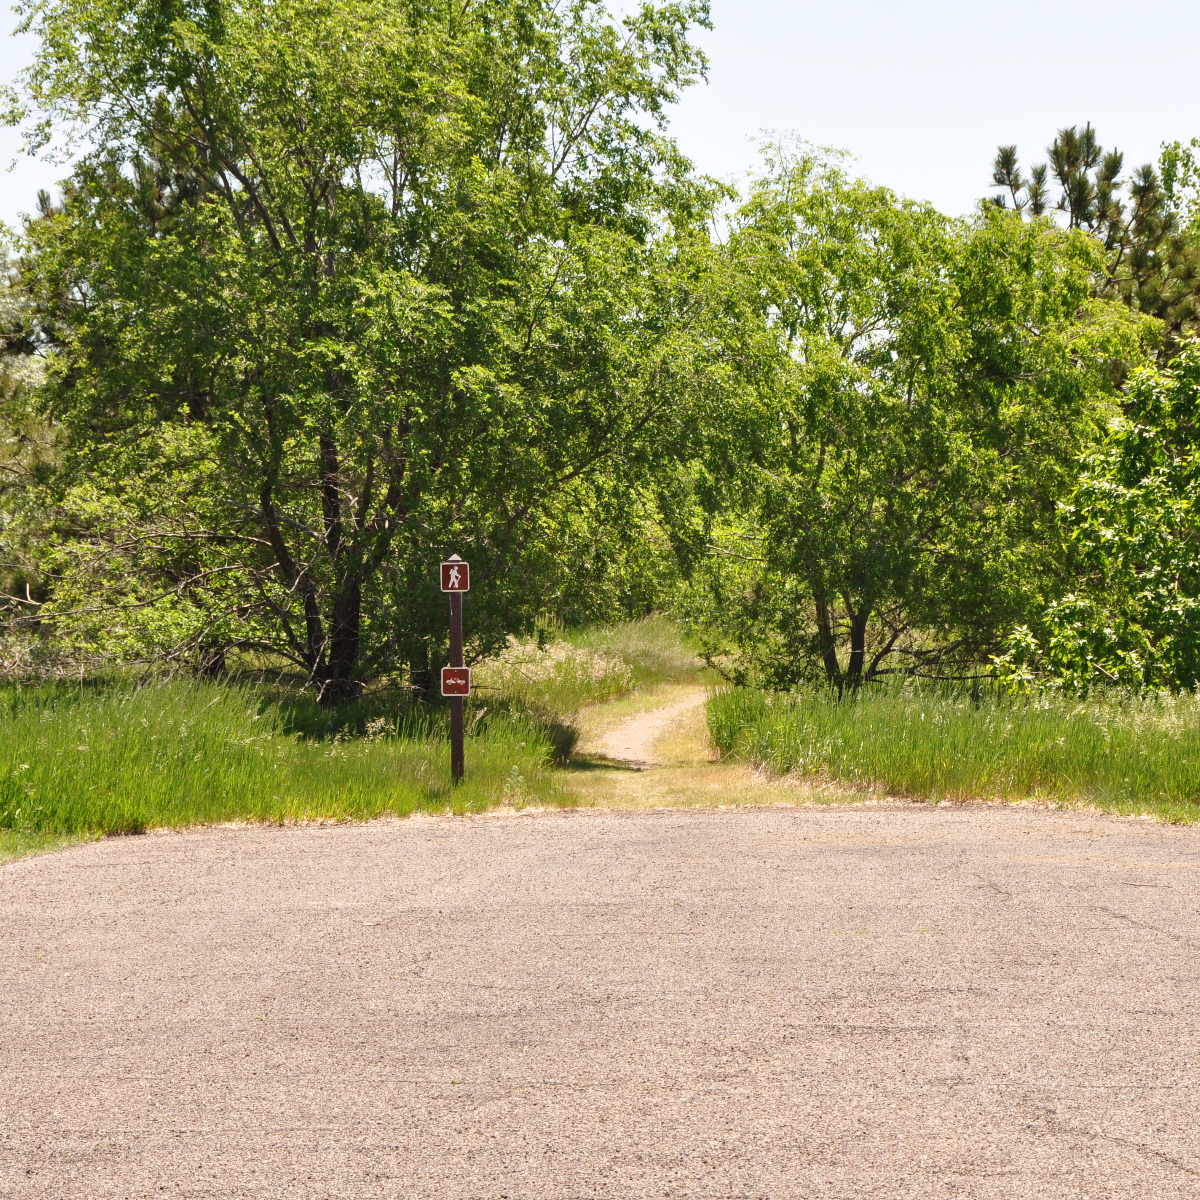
point(632, 742)
point(652, 751)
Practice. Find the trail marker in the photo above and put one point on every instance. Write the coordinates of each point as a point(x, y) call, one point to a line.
point(456, 575)
point(456, 679)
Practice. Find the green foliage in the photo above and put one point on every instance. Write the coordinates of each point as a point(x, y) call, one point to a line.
point(912, 397)
point(342, 286)
point(1123, 754)
point(28, 443)
point(121, 760)
point(1132, 524)
point(337, 287)
point(1180, 173)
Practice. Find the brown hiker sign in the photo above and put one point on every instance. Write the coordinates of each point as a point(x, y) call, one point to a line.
point(456, 576)
point(456, 679)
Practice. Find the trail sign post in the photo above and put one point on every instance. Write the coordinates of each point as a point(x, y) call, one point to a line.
point(456, 679)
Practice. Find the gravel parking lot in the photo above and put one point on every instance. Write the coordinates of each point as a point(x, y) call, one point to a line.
point(892, 1001)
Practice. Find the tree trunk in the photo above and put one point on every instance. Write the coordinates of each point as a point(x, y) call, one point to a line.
point(341, 680)
point(858, 646)
point(833, 670)
point(212, 662)
point(345, 618)
point(420, 672)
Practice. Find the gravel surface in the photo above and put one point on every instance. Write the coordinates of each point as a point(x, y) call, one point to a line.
point(910, 1001)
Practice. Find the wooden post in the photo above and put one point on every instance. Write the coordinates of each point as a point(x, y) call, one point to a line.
point(456, 702)
point(456, 679)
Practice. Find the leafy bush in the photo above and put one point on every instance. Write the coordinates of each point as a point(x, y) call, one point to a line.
point(1134, 618)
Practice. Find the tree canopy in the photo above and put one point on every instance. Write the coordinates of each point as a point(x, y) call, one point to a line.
point(337, 287)
point(916, 393)
point(340, 286)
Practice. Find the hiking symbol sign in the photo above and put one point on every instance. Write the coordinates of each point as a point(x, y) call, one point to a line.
point(456, 577)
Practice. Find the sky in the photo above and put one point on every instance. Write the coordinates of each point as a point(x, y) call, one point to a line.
point(920, 91)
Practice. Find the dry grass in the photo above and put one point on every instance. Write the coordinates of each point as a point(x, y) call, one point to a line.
point(552, 680)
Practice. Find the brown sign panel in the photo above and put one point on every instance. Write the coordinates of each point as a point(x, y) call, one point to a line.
point(456, 577)
point(456, 681)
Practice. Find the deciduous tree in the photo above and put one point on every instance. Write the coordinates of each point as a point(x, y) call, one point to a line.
point(340, 285)
point(1132, 616)
point(914, 393)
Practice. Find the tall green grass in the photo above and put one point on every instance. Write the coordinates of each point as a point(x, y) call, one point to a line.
point(178, 753)
point(655, 649)
point(1125, 754)
point(119, 757)
point(555, 673)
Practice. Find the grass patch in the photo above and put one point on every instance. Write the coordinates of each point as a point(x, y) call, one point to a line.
point(547, 680)
point(655, 649)
point(124, 759)
point(117, 757)
point(554, 674)
point(1122, 754)
point(16, 843)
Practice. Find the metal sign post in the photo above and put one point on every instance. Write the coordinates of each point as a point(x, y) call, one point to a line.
point(456, 679)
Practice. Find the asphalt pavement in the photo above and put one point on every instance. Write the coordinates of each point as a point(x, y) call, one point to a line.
point(813, 1001)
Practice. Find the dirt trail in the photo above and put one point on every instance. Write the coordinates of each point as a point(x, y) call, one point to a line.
point(632, 742)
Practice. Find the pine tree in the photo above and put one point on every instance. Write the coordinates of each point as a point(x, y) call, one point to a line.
point(1152, 260)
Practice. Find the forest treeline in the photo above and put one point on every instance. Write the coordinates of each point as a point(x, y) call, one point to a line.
point(337, 287)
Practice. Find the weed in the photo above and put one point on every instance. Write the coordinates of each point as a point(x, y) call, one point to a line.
point(655, 649)
point(550, 679)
